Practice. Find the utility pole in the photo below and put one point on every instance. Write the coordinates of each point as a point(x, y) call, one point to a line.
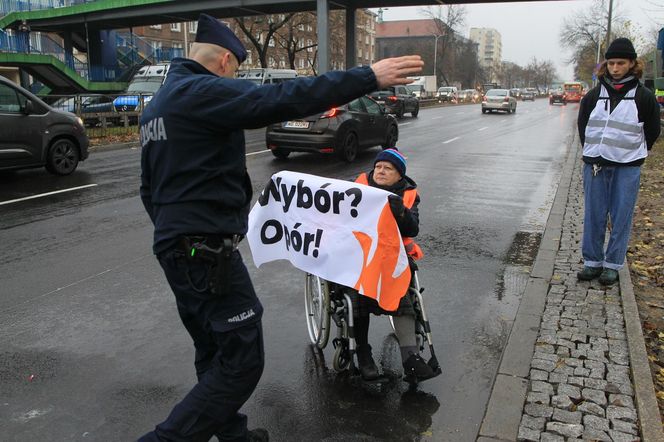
point(608, 26)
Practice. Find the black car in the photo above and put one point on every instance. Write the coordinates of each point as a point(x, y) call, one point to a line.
point(528, 94)
point(342, 131)
point(557, 96)
point(397, 100)
point(34, 134)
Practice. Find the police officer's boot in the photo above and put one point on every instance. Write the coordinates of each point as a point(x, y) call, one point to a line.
point(368, 368)
point(258, 435)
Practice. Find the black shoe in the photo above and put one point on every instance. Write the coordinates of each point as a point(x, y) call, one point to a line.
point(368, 368)
point(258, 435)
point(416, 369)
point(589, 273)
point(608, 277)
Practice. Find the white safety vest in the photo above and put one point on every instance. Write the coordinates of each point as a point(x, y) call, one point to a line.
point(616, 136)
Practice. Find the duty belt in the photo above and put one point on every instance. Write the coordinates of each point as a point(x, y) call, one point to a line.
point(214, 250)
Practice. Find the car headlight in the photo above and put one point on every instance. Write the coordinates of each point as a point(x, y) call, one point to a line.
point(80, 121)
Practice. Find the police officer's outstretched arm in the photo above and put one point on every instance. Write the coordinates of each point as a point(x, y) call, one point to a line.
point(301, 97)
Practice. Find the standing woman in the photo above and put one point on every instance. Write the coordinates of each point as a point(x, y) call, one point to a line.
point(618, 124)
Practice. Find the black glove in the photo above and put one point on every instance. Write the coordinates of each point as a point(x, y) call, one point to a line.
point(396, 204)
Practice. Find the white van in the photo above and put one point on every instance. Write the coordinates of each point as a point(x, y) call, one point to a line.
point(142, 87)
point(267, 76)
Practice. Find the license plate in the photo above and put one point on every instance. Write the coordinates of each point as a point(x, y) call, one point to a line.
point(297, 124)
point(380, 102)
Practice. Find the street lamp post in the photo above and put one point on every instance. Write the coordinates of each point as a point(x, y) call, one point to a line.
point(435, 55)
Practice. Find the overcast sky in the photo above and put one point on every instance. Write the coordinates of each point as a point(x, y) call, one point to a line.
point(532, 29)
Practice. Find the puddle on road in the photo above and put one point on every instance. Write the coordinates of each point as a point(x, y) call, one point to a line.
point(523, 249)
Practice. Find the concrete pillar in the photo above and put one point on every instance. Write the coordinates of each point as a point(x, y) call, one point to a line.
point(351, 38)
point(322, 14)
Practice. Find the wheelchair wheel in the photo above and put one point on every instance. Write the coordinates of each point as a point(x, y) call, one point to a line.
point(317, 307)
point(341, 359)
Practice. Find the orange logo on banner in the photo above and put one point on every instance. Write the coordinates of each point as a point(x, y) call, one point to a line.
point(376, 278)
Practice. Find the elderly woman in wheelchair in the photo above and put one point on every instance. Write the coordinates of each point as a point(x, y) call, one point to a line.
point(351, 311)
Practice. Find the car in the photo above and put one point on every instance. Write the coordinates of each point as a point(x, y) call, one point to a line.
point(470, 96)
point(397, 100)
point(342, 130)
point(34, 134)
point(557, 96)
point(528, 94)
point(498, 99)
point(261, 76)
point(447, 94)
point(91, 108)
point(144, 84)
point(516, 93)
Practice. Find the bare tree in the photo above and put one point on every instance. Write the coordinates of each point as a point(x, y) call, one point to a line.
point(292, 36)
point(447, 21)
point(584, 33)
point(254, 29)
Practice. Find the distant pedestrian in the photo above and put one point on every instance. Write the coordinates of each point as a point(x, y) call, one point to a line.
point(196, 190)
point(618, 124)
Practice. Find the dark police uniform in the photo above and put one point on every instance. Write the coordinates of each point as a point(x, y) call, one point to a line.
point(195, 187)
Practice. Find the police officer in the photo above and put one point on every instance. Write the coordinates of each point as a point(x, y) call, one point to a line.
point(196, 190)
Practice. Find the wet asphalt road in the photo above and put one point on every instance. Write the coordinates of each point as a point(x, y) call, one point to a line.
point(91, 348)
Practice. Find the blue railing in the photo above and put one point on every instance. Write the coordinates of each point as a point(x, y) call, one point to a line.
point(7, 6)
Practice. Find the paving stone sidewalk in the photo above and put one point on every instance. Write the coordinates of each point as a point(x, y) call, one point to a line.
point(575, 365)
point(580, 385)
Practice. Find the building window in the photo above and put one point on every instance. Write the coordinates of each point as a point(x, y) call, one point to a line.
point(310, 43)
point(193, 27)
point(366, 39)
point(309, 28)
point(249, 58)
point(175, 27)
point(301, 63)
point(300, 27)
point(271, 43)
point(282, 62)
point(271, 62)
point(259, 37)
point(155, 26)
point(359, 52)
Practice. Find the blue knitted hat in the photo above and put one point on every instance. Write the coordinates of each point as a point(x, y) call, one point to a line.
point(393, 156)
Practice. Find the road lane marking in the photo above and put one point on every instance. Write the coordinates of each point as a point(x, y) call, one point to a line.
point(451, 139)
point(404, 124)
point(482, 128)
point(259, 152)
point(435, 118)
point(46, 194)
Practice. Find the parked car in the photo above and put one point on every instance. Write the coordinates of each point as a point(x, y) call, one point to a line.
point(447, 94)
point(145, 83)
point(341, 130)
point(557, 96)
point(528, 94)
point(397, 100)
point(262, 76)
point(33, 134)
point(90, 107)
point(499, 99)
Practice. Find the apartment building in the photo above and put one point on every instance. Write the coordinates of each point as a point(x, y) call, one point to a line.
point(489, 49)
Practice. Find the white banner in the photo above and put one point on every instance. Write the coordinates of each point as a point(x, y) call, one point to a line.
point(339, 230)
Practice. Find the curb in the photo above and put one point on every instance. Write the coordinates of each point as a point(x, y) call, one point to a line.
point(650, 420)
point(116, 146)
point(505, 408)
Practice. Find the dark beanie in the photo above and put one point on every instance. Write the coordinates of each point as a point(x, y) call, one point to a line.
point(621, 48)
point(393, 156)
point(212, 31)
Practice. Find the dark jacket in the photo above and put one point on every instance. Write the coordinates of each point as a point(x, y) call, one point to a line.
point(409, 223)
point(646, 104)
point(194, 178)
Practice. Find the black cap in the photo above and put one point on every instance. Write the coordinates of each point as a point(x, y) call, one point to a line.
point(621, 48)
point(212, 31)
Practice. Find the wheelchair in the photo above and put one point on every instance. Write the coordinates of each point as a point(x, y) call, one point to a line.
point(326, 302)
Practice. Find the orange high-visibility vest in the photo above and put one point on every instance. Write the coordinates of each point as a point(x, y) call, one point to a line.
point(412, 249)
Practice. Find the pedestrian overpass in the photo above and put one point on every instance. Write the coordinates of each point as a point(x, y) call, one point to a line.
point(89, 26)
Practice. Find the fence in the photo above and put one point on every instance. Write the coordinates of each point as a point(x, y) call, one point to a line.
point(104, 114)
point(7, 6)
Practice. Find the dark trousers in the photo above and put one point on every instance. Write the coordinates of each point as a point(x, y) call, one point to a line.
point(228, 339)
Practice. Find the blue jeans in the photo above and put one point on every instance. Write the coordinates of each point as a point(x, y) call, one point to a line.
point(612, 192)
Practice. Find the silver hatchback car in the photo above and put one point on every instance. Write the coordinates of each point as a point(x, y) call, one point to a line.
point(498, 99)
